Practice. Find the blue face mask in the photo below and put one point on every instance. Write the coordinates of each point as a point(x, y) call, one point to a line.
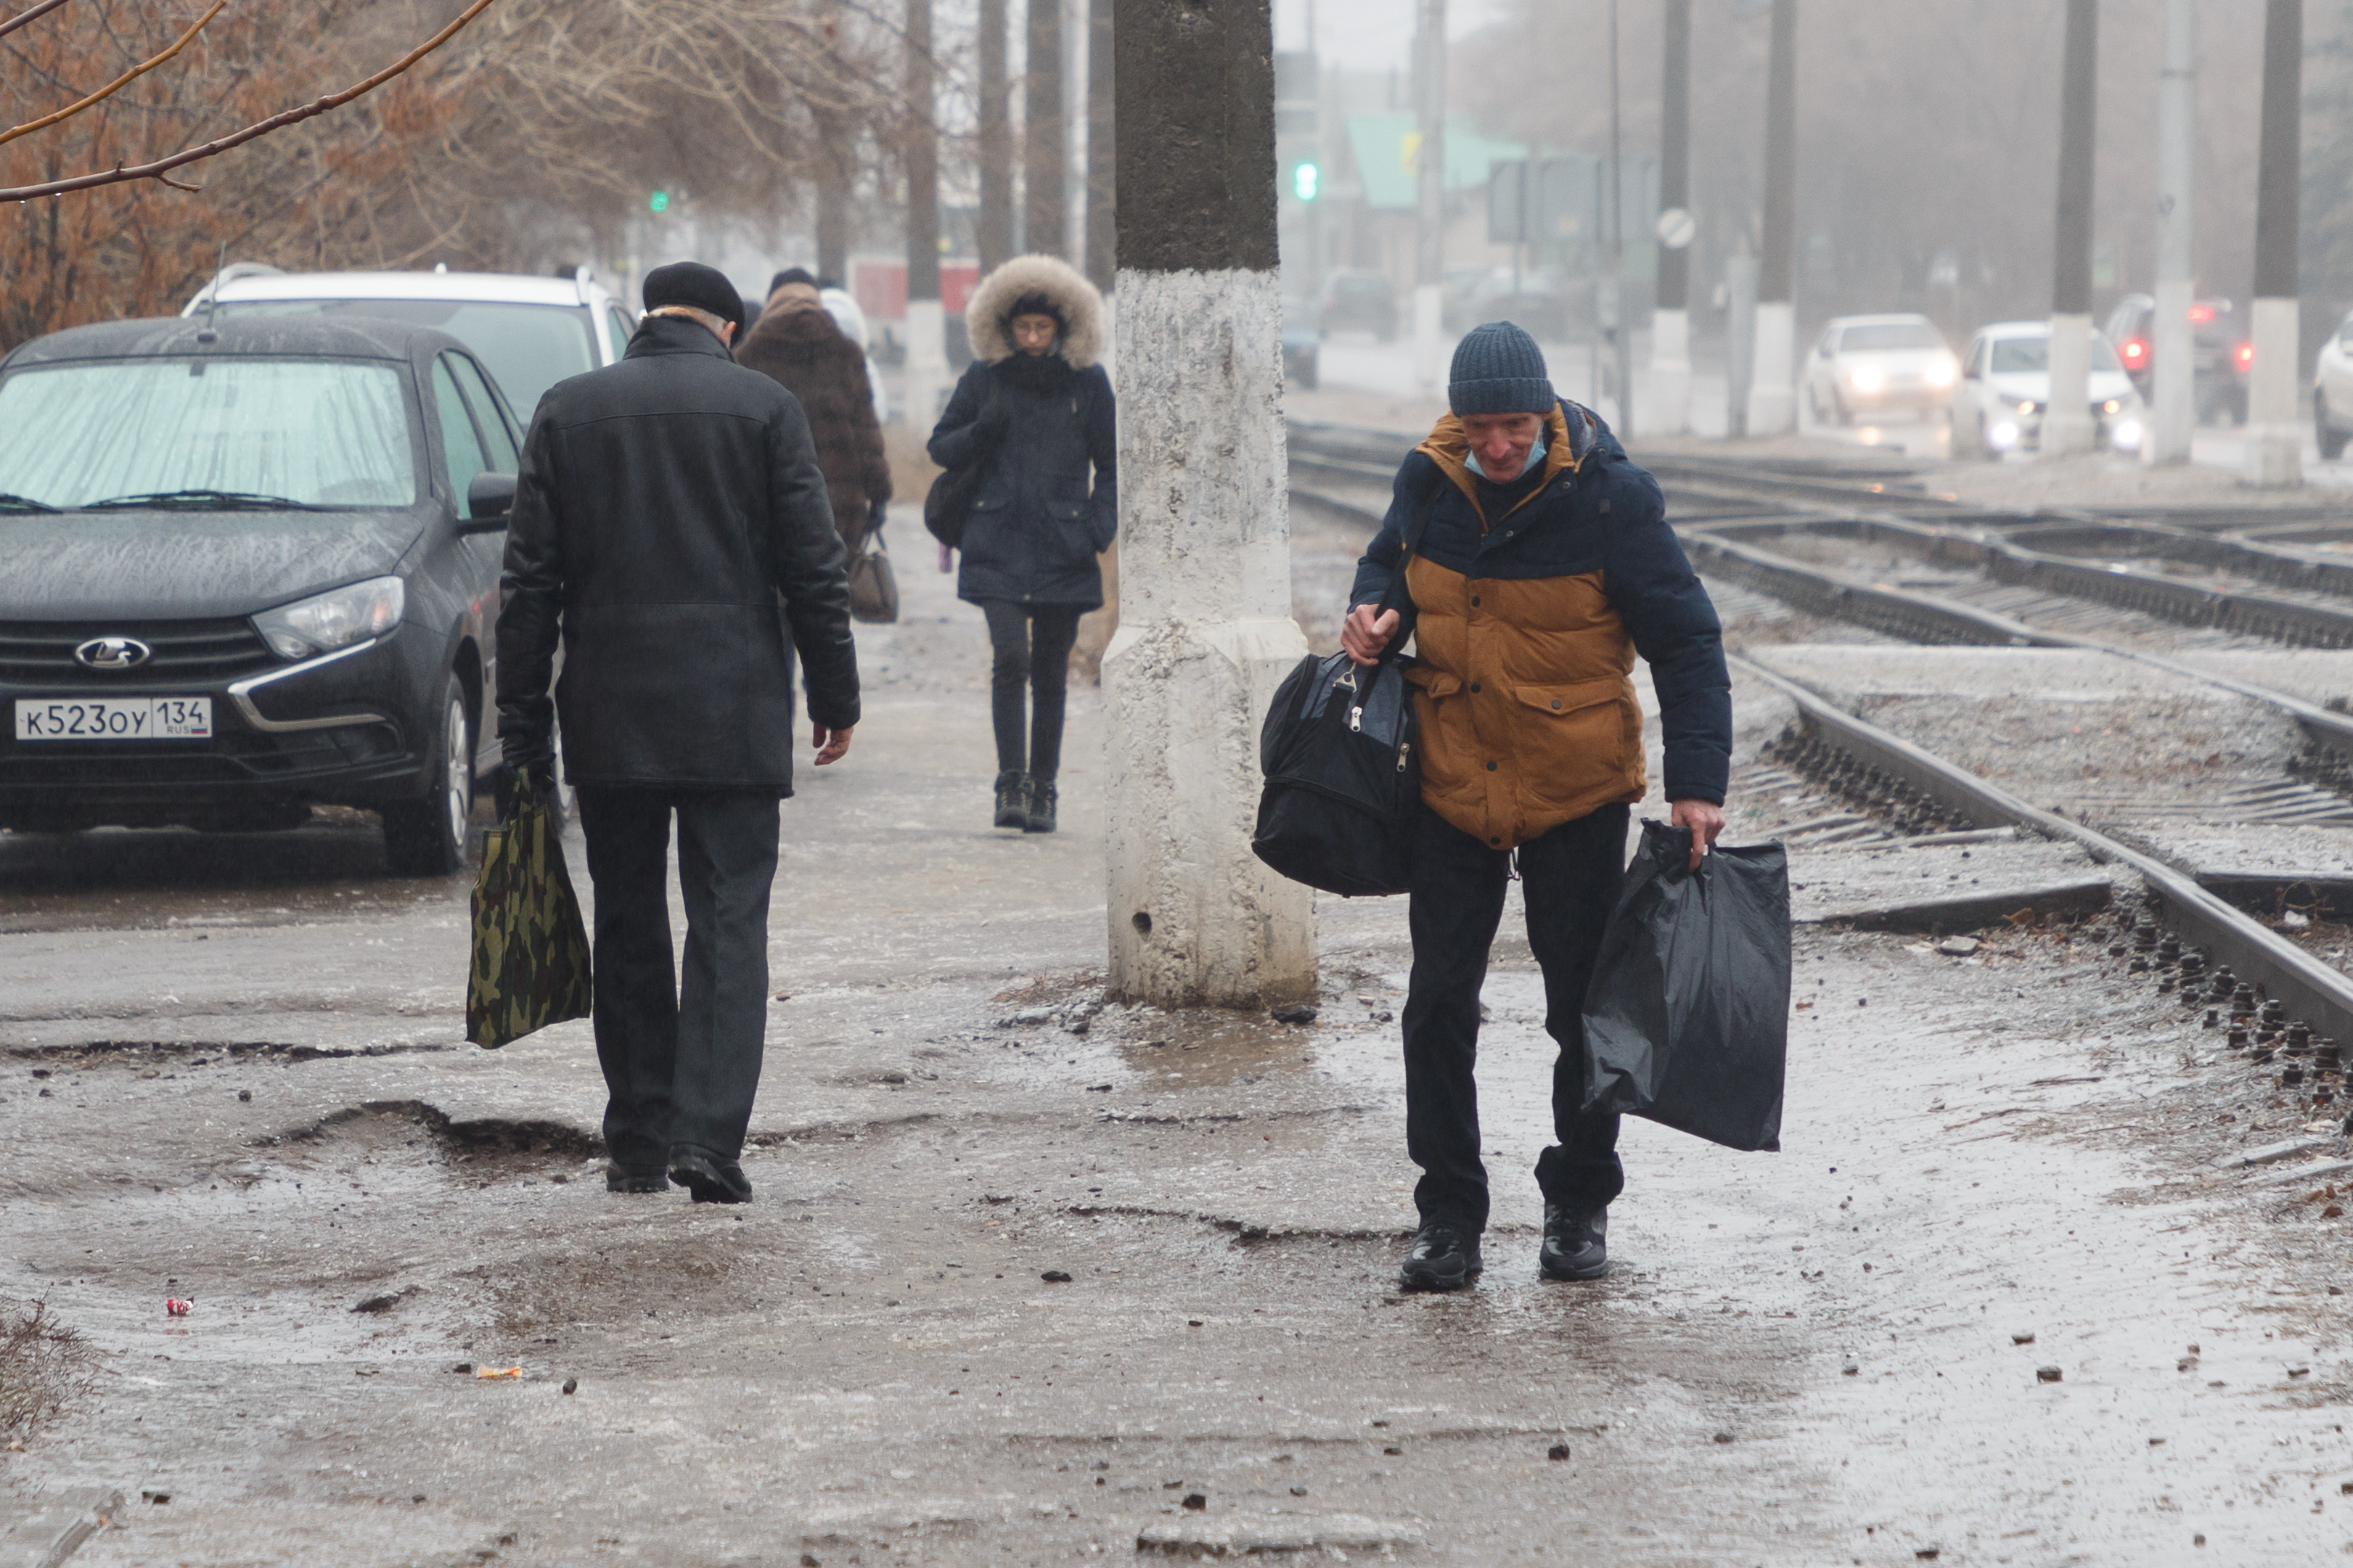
point(1536, 460)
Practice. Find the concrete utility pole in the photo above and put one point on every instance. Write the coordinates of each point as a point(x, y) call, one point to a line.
point(1101, 237)
point(2172, 405)
point(996, 230)
point(1621, 322)
point(1772, 394)
point(1430, 159)
point(927, 363)
point(2274, 436)
point(2067, 423)
point(1205, 631)
point(1045, 136)
point(1671, 322)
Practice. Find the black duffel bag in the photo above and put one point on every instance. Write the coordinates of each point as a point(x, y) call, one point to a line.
point(1343, 770)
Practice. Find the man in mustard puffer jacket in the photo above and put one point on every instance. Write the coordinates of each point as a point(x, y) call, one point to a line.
point(1544, 565)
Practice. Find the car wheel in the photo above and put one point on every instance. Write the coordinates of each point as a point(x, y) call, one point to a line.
point(1813, 405)
point(2332, 440)
point(431, 838)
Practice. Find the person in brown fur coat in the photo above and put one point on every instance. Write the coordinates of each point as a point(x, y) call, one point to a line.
point(796, 344)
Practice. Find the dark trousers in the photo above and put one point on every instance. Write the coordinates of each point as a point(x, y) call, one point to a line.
point(1032, 644)
point(681, 1066)
point(1570, 879)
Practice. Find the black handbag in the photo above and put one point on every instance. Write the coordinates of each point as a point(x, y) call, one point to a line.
point(948, 500)
point(1343, 765)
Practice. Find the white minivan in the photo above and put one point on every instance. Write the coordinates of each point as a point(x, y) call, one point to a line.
point(530, 333)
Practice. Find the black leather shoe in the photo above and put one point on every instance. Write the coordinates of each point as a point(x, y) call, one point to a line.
point(1042, 806)
point(711, 1179)
point(1013, 801)
point(1442, 1259)
point(1576, 1243)
point(621, 1178)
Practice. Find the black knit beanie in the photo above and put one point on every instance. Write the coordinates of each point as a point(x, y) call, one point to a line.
point(1498, 369)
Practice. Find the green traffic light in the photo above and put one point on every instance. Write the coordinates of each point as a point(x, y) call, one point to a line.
point(1304, 181)
point(659, 202)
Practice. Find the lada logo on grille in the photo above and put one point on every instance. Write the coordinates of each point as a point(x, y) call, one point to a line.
point(113, 653)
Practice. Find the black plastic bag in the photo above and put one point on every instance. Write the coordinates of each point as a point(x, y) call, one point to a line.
point(1687, 1018)
point(1343, 777)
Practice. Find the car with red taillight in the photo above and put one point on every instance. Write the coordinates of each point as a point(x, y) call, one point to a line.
point(2222, 353)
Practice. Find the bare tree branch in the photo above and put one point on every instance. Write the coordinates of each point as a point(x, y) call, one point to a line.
point(162, 166)
point(117, 84)
point(30, 14)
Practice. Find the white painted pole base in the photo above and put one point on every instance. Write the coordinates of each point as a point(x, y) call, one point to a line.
point(1430, 368)
point(927, 364)
point(1666, 394)
point(2068, 428)
point(2274, 457)
point(2172, 409)
point(1205, 635)
point(1772, 394)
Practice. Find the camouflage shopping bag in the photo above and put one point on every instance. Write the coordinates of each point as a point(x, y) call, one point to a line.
point(530, 951)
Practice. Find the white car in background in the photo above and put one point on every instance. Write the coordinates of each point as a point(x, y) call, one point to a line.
point(2005, 386)
point(1870, 364)
point(2332, 391)
point(529, 332)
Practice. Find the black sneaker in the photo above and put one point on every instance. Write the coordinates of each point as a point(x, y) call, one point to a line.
point(1013, 800)
point(1576, 1243)
point(1442, 1259)
point(1042, 806)
point(620, 1178)
point(711, 1179)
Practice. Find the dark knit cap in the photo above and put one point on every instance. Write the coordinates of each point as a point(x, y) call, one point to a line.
point(792, 275)
point(1498, 369)
point(1038, 305)
point(692, 283)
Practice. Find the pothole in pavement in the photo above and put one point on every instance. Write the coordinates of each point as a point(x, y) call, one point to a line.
point(487, 1146)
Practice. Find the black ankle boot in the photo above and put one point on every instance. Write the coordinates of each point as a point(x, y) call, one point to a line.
point(1013, 800)
point(1575, 1242)
point(1042, 806)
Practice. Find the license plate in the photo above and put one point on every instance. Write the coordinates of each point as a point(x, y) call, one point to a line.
point(116, 718)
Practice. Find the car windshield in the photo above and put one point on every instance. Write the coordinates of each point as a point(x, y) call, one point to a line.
point(2031, 356)
point(1882, 336)
point(315, 432)
point(526, 348)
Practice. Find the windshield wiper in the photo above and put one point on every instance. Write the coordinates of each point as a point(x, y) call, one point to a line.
point(216, 500)
point(10, 502)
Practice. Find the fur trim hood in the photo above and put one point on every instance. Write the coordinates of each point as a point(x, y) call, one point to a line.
point(1083, 316)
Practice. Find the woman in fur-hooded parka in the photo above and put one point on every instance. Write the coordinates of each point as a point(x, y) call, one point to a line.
point(1036, 423)
point(1034, 412)
point(810, 356)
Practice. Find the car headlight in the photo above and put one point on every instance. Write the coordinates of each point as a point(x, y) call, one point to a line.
point(2003, 435)
point(334, 620)
point(2125, 436)
point(1866, 378)
point(2026, 406)
point(1940, 372)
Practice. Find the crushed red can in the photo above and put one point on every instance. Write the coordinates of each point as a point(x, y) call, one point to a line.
point(174, 1307)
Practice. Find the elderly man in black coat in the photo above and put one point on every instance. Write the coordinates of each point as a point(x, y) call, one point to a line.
point(670, 521)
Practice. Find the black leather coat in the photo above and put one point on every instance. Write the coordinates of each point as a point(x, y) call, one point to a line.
point(1036, 526)
point(664, 504)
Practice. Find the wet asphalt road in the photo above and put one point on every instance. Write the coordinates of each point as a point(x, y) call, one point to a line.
point(1803, 1358)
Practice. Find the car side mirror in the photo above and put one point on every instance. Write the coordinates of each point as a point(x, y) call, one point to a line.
point(489, 499)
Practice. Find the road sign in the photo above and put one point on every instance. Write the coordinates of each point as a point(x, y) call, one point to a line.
point(1677, 228)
